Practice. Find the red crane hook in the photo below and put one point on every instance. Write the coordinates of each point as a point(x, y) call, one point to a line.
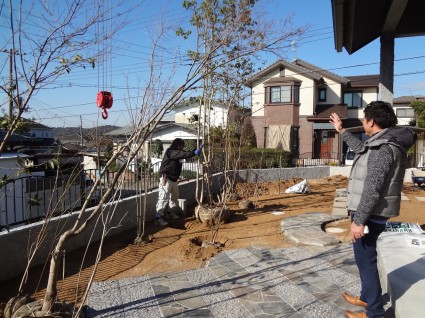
point(104, 100)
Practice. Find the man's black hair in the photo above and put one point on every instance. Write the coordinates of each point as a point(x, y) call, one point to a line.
point(177, 143)
point(382, 114)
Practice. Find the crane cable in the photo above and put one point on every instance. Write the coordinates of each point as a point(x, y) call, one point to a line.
point(104, 98)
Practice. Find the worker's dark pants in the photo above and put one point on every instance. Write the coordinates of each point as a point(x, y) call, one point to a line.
point(366, 259)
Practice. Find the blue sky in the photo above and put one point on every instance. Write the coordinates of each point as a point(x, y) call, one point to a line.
point(71, 101)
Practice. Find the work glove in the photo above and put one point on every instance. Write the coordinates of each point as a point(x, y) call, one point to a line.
point(197, 152)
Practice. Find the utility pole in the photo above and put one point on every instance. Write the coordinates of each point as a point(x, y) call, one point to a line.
point(81, 131)
point(10, 84)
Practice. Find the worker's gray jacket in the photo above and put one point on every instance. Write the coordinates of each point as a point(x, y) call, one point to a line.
point(386, 201)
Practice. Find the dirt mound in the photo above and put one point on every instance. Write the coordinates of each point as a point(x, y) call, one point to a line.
point(246, 190)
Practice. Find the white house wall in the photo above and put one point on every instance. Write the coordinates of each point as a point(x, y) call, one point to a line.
point(9, 165)
point(403, 120)
point(333, 93)
point(218, 115)
point(89, 163)
point(307, 92)
point(182, 117)
point(172, 133)
point(41, 133)
point(369, 95)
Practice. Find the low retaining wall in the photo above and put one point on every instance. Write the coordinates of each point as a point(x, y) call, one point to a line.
point(122, 217)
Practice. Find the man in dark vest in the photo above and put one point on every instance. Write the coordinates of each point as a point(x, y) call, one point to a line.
point(373, 194)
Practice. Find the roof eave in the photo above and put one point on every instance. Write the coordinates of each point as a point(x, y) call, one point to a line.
point(338, 18)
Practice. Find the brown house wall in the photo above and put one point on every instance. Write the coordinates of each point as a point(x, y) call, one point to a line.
point(274, 115)
point(335, 145)
point(259, 122)
point(281, 115)
point(306, 136)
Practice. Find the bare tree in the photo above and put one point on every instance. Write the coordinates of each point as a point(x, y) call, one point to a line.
point(229, 38)
point(227, 33)
point(60, 43)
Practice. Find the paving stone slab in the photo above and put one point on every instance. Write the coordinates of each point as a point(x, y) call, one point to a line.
point(296, 282)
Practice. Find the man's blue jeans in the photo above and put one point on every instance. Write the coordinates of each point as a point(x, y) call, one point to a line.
point(366, 260)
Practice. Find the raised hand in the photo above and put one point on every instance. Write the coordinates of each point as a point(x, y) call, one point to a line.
point(336, 122)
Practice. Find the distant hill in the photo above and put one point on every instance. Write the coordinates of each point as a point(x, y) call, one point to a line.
point(73, 134)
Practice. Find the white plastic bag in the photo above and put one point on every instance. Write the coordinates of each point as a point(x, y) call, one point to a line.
point(301, 187)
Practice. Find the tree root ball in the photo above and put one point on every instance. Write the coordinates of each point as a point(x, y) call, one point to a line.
point(212, 214)
point(246, 204)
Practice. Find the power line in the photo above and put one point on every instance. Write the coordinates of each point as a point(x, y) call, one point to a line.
point(172, 89)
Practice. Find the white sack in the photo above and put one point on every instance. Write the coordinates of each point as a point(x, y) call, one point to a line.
point(301, 187)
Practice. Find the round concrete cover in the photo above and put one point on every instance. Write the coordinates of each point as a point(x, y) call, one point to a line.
point(334, 230)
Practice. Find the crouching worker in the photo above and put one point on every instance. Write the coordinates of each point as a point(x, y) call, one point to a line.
point(171, 167)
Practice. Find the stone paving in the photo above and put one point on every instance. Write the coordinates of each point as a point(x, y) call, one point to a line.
point(292, 282)
point(300, 281)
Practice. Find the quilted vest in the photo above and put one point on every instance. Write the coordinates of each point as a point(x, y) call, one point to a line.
point(389, 201)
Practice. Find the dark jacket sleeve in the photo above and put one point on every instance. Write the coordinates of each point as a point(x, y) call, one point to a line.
point(171, 165)
point(180, 154)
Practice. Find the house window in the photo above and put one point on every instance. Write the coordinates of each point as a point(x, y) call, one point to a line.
point(322, 94)
point(283, 94)
point(275, 94)
point(353, 99)
point(405, 112)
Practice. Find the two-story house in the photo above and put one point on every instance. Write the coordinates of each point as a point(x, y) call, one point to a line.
point(292, 101)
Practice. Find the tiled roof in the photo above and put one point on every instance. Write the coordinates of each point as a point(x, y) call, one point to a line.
point(279, 63)
point(128, 130)
point(364, 80)
point(15, 138)
point(320, 71)
point(314, 72)
point(408, 99)
point(324, 111)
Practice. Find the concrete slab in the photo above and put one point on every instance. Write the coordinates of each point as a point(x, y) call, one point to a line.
point(340, 211)
point(338, 204)
point(402, 268)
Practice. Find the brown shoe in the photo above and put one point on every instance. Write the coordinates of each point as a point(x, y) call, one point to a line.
point(354, 300)
point(350, 314)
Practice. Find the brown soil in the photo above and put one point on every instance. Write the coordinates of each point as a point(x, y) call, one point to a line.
point(184, 244)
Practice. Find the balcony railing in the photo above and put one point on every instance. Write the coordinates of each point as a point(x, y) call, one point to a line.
point(32, 198)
